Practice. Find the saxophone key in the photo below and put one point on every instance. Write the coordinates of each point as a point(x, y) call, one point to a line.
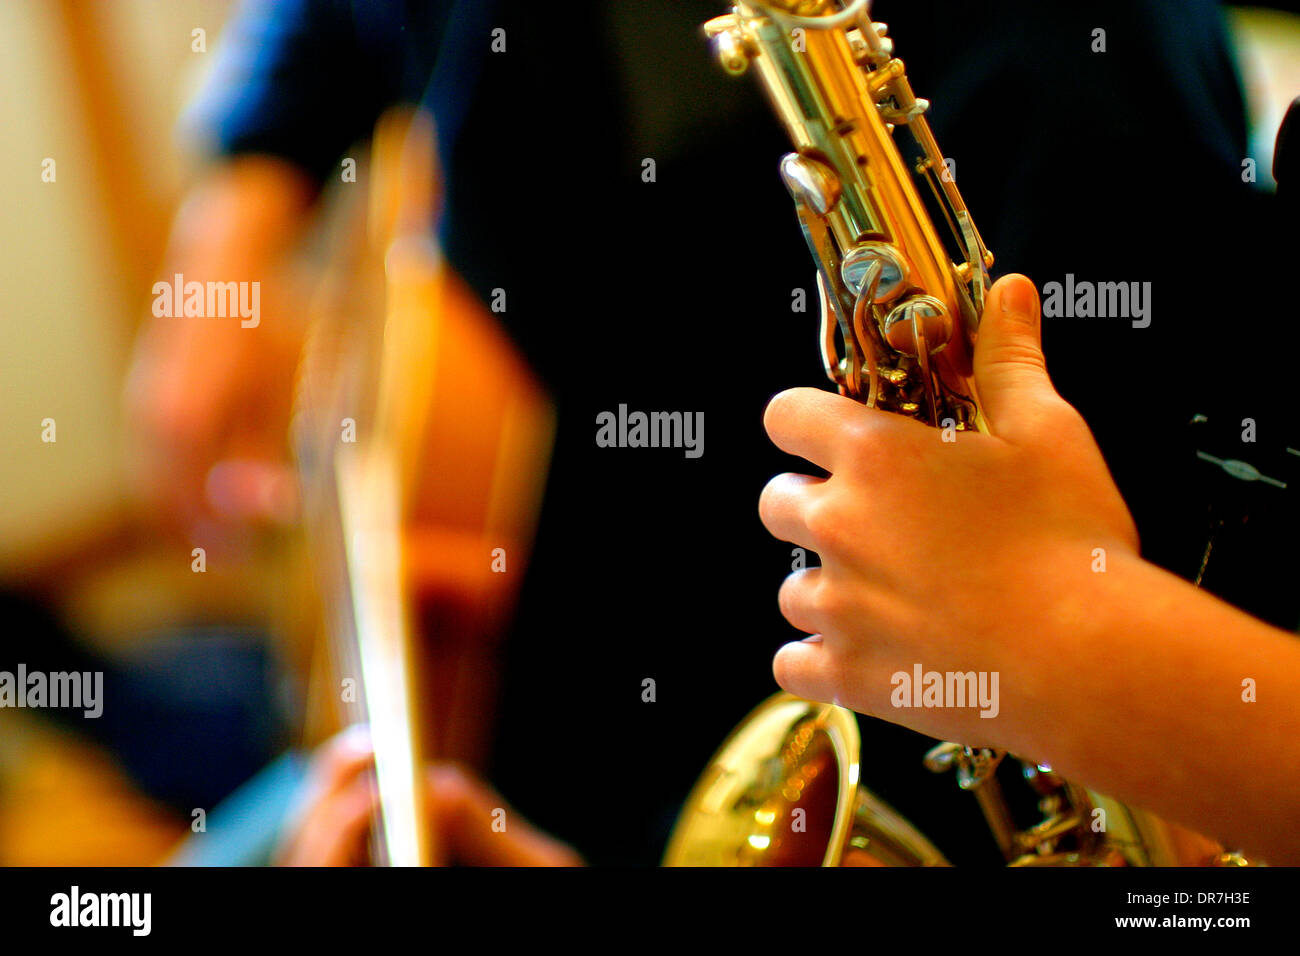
point(920, 319)
point(894, 275)
point(811, 182)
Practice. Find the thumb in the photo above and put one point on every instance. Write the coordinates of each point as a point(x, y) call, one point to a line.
point(1010, 372)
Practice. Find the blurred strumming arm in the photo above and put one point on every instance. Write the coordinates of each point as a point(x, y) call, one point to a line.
point(202, 388)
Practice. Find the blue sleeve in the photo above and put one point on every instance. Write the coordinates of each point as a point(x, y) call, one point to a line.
point(305, 79)
point(244, 828)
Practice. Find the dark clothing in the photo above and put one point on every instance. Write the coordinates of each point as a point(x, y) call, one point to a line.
point(675, 295)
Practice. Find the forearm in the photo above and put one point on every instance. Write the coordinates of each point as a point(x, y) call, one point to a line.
point(205, 387)
point(1155, 709)
point(241, 217)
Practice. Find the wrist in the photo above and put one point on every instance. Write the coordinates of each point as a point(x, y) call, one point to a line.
point(1153, 708)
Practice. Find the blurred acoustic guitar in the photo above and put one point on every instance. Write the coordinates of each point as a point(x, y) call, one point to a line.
point(422, 442)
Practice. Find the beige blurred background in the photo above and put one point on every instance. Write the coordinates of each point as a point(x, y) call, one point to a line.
point(97, 87)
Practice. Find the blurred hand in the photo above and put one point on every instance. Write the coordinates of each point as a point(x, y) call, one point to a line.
point(208, 400)
point(332, 826)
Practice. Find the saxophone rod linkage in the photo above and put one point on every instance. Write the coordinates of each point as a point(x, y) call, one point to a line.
point(853, 12)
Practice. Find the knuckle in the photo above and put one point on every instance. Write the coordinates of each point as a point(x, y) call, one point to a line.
point(785, 671)
point(859, 433)
point(823, 522)
point(767, 499)
point(791, 598)
point(770, 502)
point(825, 601)
point(780, 499)
point(861, 444)
point(778, 409)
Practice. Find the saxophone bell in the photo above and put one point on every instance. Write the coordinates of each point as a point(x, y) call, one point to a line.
point(783, 790)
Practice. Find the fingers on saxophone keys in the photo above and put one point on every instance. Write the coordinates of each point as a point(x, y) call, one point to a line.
point(812, 423)
point(785, 505)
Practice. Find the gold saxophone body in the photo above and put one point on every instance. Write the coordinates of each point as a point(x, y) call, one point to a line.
point(900, 306)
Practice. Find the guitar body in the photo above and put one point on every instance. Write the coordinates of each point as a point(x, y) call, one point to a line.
point(421, 438)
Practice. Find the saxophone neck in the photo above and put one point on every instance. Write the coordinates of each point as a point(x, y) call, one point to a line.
point(901, 268)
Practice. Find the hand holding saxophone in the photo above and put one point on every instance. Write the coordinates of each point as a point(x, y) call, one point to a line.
point(1012, 553)
point(930, 545)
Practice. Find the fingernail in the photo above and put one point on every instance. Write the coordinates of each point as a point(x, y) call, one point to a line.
point(812, 639)
point(1019, 297)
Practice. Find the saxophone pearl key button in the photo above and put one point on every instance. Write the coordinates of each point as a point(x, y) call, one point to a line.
point(810, 181)
point(920, 318)
point(859, 263)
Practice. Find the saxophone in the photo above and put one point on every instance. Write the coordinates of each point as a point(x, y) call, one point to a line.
point(900, 306)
